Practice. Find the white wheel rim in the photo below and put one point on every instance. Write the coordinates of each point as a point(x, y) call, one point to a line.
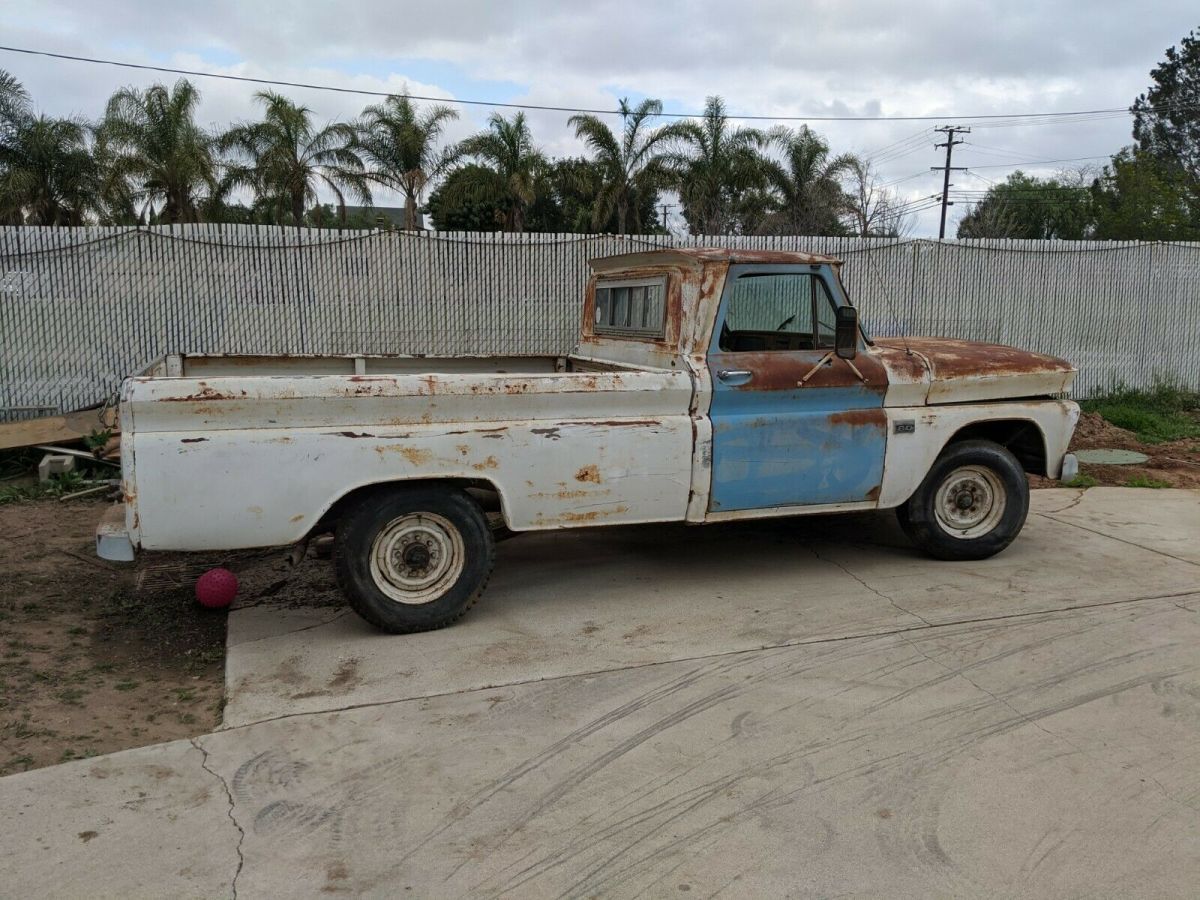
point(417, 557)
point(970, 502)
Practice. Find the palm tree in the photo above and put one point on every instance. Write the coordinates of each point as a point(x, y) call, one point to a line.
point(632, 164)
point(507, 149)
point(47, 173)
point(808, 183)
point(284, 159)
point(400, 147)
point(153, 144)
point(713, 165)
point(14, 103)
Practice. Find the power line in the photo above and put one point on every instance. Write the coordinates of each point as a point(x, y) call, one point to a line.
point(1040, 162)
point(998, 119)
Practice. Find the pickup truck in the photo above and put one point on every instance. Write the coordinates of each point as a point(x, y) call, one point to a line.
point(707, 385)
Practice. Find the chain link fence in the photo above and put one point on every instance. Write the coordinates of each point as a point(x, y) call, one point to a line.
point(80, 308)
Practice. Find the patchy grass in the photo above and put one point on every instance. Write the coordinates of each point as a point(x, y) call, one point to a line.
point(1165, 412)
point(1144, 481)
point(1081, 481)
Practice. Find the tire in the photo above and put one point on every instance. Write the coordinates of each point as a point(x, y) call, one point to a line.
point(938, 519)
point(413, 558)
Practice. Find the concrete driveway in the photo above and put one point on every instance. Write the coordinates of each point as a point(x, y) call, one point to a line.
point(806, 708)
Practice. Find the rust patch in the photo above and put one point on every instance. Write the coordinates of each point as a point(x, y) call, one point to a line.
point(593, 515)
point(626, 423)
point(297, 517)
point(873, 493)
point(192, 440)
point(551, 433)
point(415, 455)
point(489, 463)
point(206, 392)
point(566, 494)
point(950, 358)
point(350, 434)
point(781, 370)
point(588, 473)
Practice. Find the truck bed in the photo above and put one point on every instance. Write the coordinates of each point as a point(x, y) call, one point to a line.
point(267, 445)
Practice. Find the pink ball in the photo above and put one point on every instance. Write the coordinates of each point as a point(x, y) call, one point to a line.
point(216, 588)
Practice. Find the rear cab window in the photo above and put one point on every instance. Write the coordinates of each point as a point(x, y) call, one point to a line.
point(631, 307)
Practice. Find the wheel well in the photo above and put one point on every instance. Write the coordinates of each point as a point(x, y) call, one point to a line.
point(484, 492)
point(1021, 436)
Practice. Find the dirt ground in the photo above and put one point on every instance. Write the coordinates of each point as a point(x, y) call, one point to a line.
point(97, 657)
point(1173, 464)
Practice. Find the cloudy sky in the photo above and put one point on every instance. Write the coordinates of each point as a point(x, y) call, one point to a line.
point(853, 58)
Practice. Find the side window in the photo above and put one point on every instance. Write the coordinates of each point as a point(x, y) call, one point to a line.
point(824, 312)
point(778, 311)
point(631, 307)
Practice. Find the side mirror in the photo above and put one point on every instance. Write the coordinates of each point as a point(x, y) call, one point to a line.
point(845, 337)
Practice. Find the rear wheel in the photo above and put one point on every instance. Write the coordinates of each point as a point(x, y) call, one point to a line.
point(413, 558)
point(971, 505)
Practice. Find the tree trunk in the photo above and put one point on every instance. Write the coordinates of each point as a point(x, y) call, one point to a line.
point(622, 214)
point(410, 210)
point(298, 208)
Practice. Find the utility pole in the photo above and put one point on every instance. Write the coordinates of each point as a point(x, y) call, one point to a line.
point(665, 207)
point(949, 131)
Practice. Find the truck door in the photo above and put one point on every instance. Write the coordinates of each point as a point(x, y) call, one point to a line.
point(793, 425)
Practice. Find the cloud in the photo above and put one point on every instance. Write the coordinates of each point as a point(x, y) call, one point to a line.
point(773, 57)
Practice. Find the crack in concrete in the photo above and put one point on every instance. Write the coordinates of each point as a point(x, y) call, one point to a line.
point(282, 634)
point(1074, 503)
point(873, 590)
point(195, 742)
point(894, 632)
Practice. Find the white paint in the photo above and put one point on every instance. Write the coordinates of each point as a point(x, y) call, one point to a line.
point(909, 456)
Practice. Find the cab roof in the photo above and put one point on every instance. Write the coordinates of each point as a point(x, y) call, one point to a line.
point(697, 256)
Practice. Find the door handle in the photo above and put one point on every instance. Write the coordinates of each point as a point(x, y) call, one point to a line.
point(735, 376)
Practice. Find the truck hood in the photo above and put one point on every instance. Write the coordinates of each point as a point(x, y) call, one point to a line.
point(961, 371)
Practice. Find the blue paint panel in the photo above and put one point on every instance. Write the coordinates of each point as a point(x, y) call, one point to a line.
point(783, 448)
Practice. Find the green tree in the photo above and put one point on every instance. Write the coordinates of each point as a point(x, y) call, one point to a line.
point(1023, 206)
point(807, 184)
point(714, 166)
point(15, 106)
point(1139, 197)
point(152, 146)
point(1166, 118)
point(47, 173)
point(471, 198)
point(285, 158)
point(400, 145)
point(632, 165)
point(506, 149)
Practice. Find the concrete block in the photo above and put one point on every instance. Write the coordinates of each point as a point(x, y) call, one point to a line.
point(55, 464)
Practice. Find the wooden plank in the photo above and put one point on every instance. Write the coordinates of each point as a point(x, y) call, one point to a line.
point(64, 429)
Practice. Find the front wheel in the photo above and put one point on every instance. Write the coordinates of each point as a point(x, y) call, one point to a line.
point(971, 505)
point(413, 558)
